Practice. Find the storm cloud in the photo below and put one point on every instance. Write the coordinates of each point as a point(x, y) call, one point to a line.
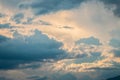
point(22, 50)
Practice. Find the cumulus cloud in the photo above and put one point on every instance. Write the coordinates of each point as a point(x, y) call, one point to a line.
point(64, 43)
point(34, 48)
point(91, 18)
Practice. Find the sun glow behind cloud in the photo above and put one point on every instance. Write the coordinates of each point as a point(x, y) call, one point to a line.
point(66, 38)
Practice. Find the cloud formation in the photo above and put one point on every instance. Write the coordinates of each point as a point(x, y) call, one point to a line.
point(7, 25)
point(115, 3)
point(115, 43)
point(59, 39)
point(21, 50)
point(18, 17)
point(89, 41)
point(41, 7)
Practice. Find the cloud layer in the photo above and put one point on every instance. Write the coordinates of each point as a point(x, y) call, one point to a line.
point(21, 49)
point(59, 39)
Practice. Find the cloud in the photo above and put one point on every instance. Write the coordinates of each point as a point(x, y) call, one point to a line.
point(107, 68)
point(6, 25)
point(116, 53)
point(89, 41)
point(21, 50)
point(69, 22)
point(115, 43)
point(91, 18)
point(66, 27)
point(41, 7)
point(84, 66)
point(17, 18)
point(114, 78)
point(45, 23)
point(12, 4)
point(111, 3)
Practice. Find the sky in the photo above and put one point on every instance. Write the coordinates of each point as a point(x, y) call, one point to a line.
point(59, 39)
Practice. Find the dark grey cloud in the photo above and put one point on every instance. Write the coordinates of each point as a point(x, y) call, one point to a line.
point(107, 68)
point(6, 25)
point(89, 41)
point(28, 21)
point(18, 17)
point(22, 50)
point(66, 27)
point(41, 7)
point(44, 23)
point(115, 43)
point(96, 54)
point(116, 53)
point(113, 2)
point(114, 78)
